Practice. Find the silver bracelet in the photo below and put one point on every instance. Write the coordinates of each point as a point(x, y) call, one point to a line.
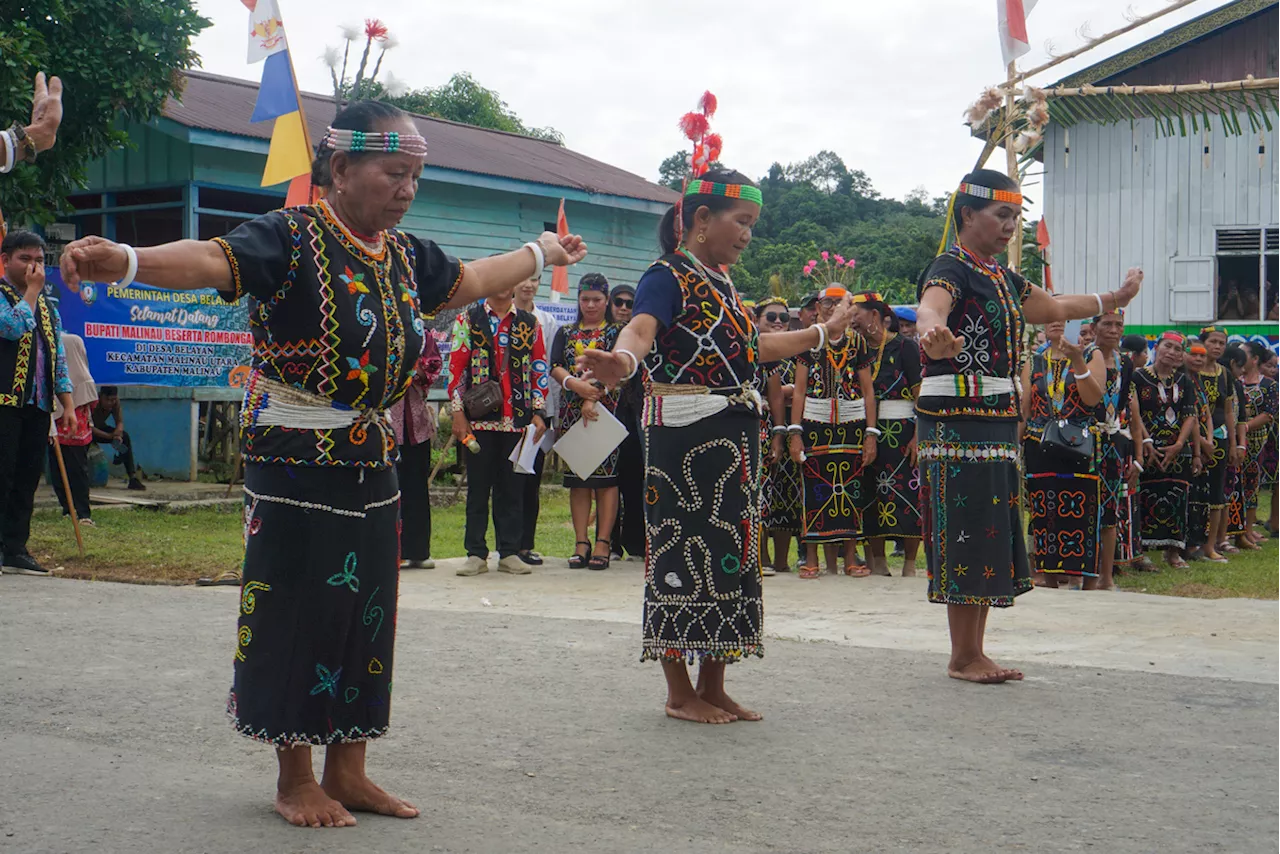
point(539, 259)
point(635, 362)
point(132, 269)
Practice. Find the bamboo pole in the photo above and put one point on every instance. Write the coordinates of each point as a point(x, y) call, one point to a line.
point(1246, 85)
point(1011, 166)
point(1106, 37)
point(66, 490)
point(436, 468)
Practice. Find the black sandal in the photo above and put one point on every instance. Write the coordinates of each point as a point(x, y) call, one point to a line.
point(578, 561)
point(600, 561)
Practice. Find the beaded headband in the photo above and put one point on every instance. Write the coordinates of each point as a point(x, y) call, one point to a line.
point(1176, 337)
point(1195, 348)
point(833, 292)
point(982, 192)
point(1209, 330)
point(746, 192)
point(869, 296)
point(391, 142)
point(593, 283)
point(778, 301)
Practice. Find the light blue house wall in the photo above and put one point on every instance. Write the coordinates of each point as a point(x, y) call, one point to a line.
point(470, 215)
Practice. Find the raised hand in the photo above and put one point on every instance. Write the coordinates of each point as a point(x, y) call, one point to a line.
point(841, 317)
point(1070, 349)
point(1129, 287)
point(586, 389)
point(939, 343)
point(46, 112)
point(562, 251)
point(93, 259)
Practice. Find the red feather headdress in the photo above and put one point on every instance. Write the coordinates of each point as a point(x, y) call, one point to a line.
point(696, 126)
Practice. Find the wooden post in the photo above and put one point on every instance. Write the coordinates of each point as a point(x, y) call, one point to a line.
point(436, 469)
point(66, 490)
point(1011, 165)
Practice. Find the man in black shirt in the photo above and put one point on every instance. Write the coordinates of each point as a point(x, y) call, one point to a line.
point(113, 434)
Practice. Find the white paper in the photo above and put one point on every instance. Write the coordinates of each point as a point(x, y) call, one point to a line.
point(525, 454)
point(588, 443)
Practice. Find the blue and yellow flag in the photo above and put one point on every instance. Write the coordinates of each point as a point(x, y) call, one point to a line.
point(289, 157)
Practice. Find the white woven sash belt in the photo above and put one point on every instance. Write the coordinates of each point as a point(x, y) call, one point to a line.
point(685, 407)
point(965, 385)
point(281, 405)
point(825, 411)
point(895, 410)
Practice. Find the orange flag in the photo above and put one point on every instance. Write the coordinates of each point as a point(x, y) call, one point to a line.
point(560, 275)
point(301, 192)
point(1042, 241)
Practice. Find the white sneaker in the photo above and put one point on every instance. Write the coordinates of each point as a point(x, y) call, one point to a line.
point(474, 566)
point(768, 570)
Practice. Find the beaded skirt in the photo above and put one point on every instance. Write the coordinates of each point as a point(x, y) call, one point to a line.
point(893, 486)
point(317, 606)
point(1065, 502)
point(973, 540)
point(834, 496)
point(1165, 495)
point(702, 592)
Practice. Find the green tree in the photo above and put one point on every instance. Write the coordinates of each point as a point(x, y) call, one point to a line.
point(118, 62)
point(464, 100)
point(673, 170)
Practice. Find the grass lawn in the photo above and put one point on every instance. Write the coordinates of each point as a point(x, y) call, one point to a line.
point(148, 547)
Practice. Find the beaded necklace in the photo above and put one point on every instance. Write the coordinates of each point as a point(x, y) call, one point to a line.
point(1111, 397)
point(884, 339)
point(1171, 389)
point(1056, 382)
point(724, 277)
point(374, 247)
point(1012, 314)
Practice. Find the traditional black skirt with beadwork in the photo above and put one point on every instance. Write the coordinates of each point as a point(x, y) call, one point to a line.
point(702, 592)
point(1115, 453)
point(834, 494)
point(318, 604)
point(892, 485)
point(972, 486)
point(1065, 504)
point(1165, 495)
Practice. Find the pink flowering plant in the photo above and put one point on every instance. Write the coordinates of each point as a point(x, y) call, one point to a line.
point(832, 269)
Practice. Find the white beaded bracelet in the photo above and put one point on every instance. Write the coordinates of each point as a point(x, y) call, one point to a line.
point(635, 362)
point(539, 259)
point(7, 160)
point(132, 269)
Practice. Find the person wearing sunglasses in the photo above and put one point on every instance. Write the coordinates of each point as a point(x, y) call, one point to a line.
point(628, 527)
point(782, 484)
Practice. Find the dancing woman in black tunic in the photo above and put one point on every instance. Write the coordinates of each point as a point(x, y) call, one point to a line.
point(702, 409)
point(337, 297)
point(971, 321)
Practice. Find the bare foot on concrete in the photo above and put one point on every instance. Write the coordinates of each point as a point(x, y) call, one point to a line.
point(722, 700)
point(360, 794)
point(698, 711)
point(307, 805)
point(982, 670)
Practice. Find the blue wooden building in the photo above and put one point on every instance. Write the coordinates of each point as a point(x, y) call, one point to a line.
point(195, 174)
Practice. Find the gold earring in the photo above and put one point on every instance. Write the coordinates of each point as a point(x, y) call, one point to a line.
point(702, 238)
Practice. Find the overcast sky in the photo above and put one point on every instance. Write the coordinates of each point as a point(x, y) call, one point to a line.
point(882, 83)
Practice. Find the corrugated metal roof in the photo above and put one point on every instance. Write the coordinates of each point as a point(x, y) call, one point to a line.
point(224, 104)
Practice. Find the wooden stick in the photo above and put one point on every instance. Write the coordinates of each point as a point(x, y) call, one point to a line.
point(66, 489)
point(234, 473)
point(1011, 166)
point(436, 469)
point(1106, 37)
point(1246, 85)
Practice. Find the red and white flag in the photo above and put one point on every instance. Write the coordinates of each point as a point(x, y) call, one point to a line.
point(560, 275)
point(1012, 15)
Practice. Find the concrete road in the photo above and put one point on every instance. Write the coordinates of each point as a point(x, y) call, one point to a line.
point(527, 724)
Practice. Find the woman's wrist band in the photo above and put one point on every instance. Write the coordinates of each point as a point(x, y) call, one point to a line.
point(874, 431)
point(539, 259)
point(132, 270)
point(822, 336)
point(564, 383)
point(635, 362)
point(1148, 441)
point(781, 428)
point(1085, 375)
point(795, 428)
point(1138, 466)
point(8, 152)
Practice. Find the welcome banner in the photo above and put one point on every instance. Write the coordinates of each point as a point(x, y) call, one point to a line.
point(138, 335)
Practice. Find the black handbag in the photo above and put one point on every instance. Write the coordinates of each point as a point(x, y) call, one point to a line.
point(1067, 441)
point(481, 400)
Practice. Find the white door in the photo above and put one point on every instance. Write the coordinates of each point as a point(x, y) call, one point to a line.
point(1191, 290)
